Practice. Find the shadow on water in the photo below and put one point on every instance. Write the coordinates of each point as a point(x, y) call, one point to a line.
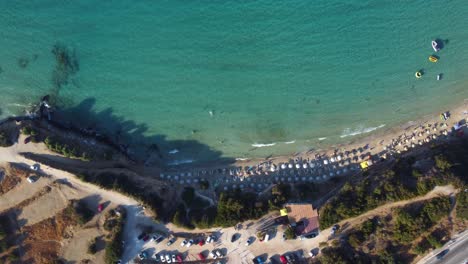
point(134, 138)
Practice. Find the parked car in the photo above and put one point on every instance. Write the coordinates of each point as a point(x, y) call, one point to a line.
point(146, 238)
point(283, 259)
point(201, 242)
point(157, 257)
point(219, 253)
point(183, 243)
point(267, 237)
point(173, 258)
point(35, 167)
point(32, 179)
point(249, 241)
point(233, 238)
point(213, 255)
point(312, 253)
point(190, 243)
point(162, 258)
point(168, 258)
point(141, 235)
point(100, 207)
point(171, 241)
point(143, 255)
point(209, 239)
point(154, 237)
point(159, 239)
point(179, 258)
point(258, 260)
point(201, 256)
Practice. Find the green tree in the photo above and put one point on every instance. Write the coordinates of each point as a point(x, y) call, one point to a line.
point(289, 233)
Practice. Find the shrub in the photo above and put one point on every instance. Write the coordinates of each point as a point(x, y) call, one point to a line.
point(435, 243)
point(92, 247)
point(462, 203)
point(5, 140)
point(289, 233)
point(442, 163)
point(114, 247)
point(29, 131)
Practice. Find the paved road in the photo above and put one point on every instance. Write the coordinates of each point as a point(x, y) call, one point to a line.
point(457, 254)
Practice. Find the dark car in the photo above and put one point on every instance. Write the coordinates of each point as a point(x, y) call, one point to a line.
point(258, 260)
point(161, 238)
point(233, 238)
point(171, 241)
point(146, 238)
point(312, 235)
point(442, 254)
point(141, 236)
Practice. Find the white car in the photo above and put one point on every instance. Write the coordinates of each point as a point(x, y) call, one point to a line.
point(209, 239)
point(168, 258)
point(183, 243)
point(218, 253)
point(161, 257)
point(173, 258)
point(190, 243)
point(213, 255)
point(32, 179)
point(35, 167)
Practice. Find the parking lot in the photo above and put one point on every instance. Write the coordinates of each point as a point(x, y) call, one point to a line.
point(230, 243)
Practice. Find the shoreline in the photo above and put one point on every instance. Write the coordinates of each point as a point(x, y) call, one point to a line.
point(373, 142)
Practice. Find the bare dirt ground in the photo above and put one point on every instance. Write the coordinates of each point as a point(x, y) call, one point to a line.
point(39, 205)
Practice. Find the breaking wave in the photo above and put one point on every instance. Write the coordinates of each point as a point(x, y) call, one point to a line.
point(257, 145)
point(348, 132)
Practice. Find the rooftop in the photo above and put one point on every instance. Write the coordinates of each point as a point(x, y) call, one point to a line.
point(303, 216)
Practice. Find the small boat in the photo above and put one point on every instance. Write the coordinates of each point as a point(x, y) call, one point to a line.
point(439, 76)
point(433, 58)
point(435, 46)
point(418, 74)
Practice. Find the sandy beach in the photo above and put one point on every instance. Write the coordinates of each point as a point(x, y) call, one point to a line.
point(343, 159)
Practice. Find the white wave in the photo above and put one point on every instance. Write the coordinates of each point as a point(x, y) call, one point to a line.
point(174, 151)
point(178, 162)
point(241, 159)
point(257, 145)
point(322, 138)
point(19, 105)
point(290, 142)
point(349, 132)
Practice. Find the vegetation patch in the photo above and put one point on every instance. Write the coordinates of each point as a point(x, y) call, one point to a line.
point(114, 247)
point(401, 182)
point(66, 150)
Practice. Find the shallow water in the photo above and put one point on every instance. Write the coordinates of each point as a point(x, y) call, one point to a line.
point(240, 78)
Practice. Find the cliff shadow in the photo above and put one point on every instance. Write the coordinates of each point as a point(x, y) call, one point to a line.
point(134, 138)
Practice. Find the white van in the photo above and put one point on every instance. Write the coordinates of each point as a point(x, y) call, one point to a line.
point(267, 237)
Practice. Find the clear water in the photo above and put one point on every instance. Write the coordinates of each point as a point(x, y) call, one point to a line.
point(270, 72)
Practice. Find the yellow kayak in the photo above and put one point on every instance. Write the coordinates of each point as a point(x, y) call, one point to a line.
point(433, 58)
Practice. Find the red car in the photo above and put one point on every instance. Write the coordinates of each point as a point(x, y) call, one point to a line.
point(283, 259)
point(100, 207)
point(201, 243)
point(179, 258)
point(201, 256)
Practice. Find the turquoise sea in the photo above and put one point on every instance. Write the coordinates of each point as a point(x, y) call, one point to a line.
point(234, 78)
